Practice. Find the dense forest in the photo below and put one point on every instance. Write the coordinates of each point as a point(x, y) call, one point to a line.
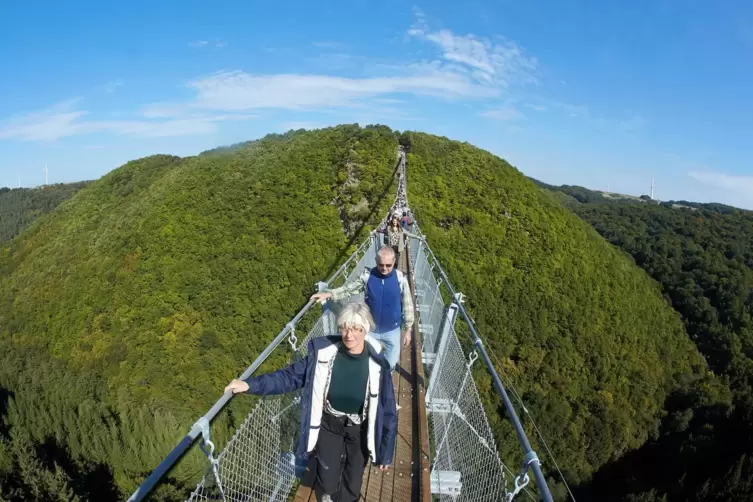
point(124, 311)
point(584, 335)
point(19, 207)
point(702, 255)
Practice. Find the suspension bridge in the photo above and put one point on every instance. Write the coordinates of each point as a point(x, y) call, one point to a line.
point(444, 450)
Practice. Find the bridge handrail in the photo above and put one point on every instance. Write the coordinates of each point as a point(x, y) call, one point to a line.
point(531, 459)
point(202, 424)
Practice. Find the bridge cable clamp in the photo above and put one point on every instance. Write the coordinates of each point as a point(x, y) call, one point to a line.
point(472, 358)
point(523, 479)
point(206, 442)
point(292, 339)
point(520, 483)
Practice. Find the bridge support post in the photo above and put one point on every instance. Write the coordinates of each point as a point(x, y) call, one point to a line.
point(326, 307)
point(449, 324)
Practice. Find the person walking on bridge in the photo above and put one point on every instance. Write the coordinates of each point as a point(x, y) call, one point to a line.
point(389, 298)
point(348, 404)
point(405, 221)
point(396, 236)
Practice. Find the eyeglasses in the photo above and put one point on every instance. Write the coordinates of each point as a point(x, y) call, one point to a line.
point(385, 265)
point(347, 329)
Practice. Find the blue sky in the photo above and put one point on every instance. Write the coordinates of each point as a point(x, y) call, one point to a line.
point(602, 93)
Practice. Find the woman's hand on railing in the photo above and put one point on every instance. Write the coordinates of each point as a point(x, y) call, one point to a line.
point(237, 386)
point(321, 297)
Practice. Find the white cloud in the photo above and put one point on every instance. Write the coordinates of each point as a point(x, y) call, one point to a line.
point(204, 43)
point(740, 184)
point(113, 85)
point(237, 90)
point(63, 120)
point(46, 125)
point(468, 67)
point(504, 113)
point(501, 63)
point(463, 68)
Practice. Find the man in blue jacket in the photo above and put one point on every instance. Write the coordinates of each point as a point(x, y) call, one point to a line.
point(389, 298)
point(348, 411)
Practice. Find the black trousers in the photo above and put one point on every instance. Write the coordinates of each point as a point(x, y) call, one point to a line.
point(341, 454)
point(397, 255)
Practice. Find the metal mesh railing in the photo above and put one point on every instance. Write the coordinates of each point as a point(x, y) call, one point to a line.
point(429, 302)
point(465, 462)
point(258, 462)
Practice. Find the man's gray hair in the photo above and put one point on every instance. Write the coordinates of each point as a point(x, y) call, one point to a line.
point(387, 252)
point(356, 314)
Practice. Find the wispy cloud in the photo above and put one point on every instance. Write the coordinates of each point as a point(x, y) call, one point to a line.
point(461, 67)
point(501, 62)
point(45, 125)
point(538, 108)
point(113, 85)
point(739, 184)
point(504, 113)
point(301, 125)
point(205, 43)
point(328, 45)
point(64, 120)
point(465, 67)
point(237, 90)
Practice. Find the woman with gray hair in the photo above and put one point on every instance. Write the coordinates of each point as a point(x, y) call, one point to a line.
point(348, 411)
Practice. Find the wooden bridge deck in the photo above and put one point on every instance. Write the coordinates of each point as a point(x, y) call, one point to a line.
point(408, 477)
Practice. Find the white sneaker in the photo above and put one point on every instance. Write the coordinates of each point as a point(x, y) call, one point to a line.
point(397, 407)
point(326, 498)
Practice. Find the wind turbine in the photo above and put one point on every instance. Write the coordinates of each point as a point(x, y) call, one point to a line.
point(45, 172)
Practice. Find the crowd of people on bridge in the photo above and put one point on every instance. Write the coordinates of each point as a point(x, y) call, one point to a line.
point(348, 408)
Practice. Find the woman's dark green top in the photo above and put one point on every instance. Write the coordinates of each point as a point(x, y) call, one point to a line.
point(347, 385)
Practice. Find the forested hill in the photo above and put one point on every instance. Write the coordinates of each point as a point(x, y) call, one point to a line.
point(702, 255)
point(19, 207)
point(125, 311)
point(573, 193)
point(584, 334)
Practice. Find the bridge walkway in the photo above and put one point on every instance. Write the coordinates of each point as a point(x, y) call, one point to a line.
point(408, 478)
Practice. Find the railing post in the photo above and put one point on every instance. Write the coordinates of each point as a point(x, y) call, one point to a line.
point(326, 319)
point(449, 323)
point(531, 460)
